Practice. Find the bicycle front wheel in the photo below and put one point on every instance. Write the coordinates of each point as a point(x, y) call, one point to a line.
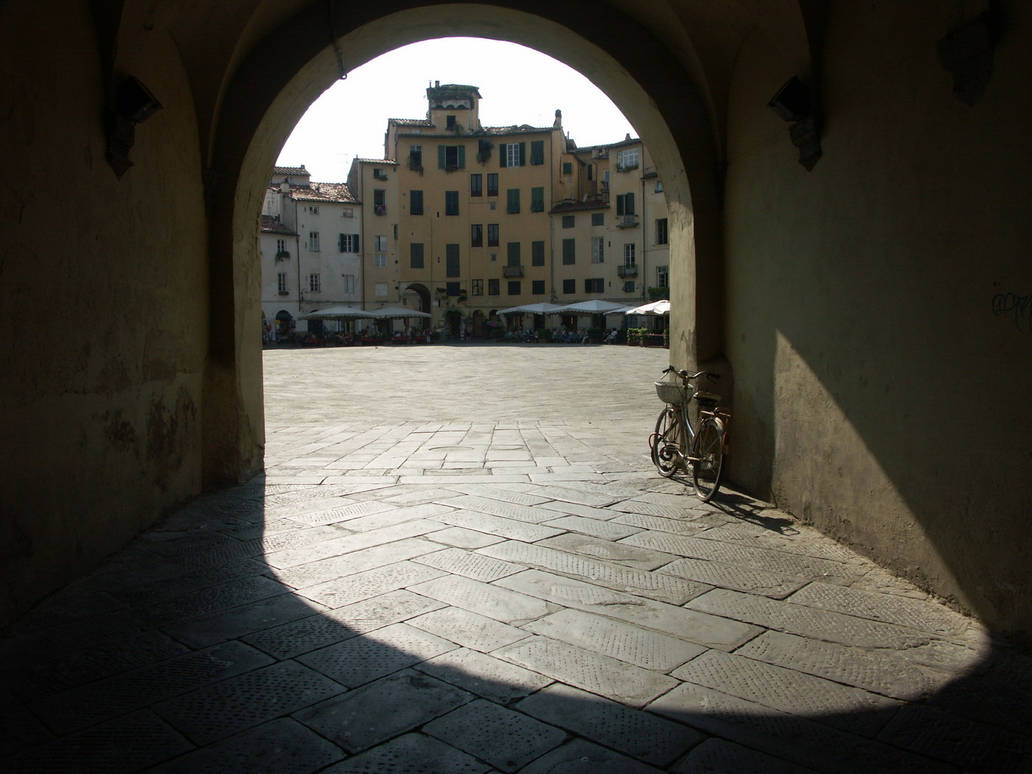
point(709, 451)
point(668, 442)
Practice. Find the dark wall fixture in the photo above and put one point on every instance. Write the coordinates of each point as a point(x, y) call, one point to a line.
point(131, 104)
point(793, 104)
point(967, 53)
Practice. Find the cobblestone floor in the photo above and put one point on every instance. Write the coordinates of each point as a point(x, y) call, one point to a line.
point(460, 560)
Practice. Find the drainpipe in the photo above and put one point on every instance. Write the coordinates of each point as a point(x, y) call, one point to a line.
point(644, 222)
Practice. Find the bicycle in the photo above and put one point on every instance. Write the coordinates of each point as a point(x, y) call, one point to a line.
point(674, 433)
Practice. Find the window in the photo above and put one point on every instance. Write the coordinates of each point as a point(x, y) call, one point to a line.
point(449, 122)
point(314, 283)
point(627, 159)
point(514, 288)
point(569, 286)
point(451, 202)
point(569, 251)
point(663, 276)
point(347, 212)
point(628, 254)
point(348, 243)
point(477, 287)
point(513, 254)
point(628, 286)
point(381, 243)
point(416, 202)
point(380, 290)
point(416, 255)
point(569, 221)
point(380, 260)
point(415, 157)
point(512, 201)
point(379, 174)
point(567, 167)
point(537, 199)
point(537, 253)
point(451, 251)
point(537, 153)
point(537, 287)
point(313, 241)
point(492, 184)
point(451, 157)
point(625, 204)
point(492, 287)
point(492, 235)
point(281, 246)
point(591, 171)
point(598, 219)
point(595, 285)
point(512, 154)
point(453, 289)
point(314, 210)
point(597, 249)
point(476, 235)
point(476, 184)
point(661, 231)
point(349, 283)
point(380, 201)
point(281, 283)
point(659, 186)
point(484, 150)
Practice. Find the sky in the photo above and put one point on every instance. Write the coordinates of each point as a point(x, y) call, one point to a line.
point(518, 85)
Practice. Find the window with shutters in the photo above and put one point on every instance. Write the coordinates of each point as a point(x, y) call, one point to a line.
point(416, 255)
point(628, 254)
point(416, 202)
point(537, 153)
point(476, 235)
point(476, 184)
point(476, 287)
point(492, 235)
point(597, 249)
point(625, 204)
point(537, 287)
point(492, 184)
point(537, 253)
point(598, 219)
point(349, 283)
point(416, 158)
point(453, 288)
point(512, 201)
point(492, 287)
point(451, 157)
point(569, 286)
point(515, 287)
point(567, 167)
point(569, 221)
point(281, 282)
point(313, 241)
point(452, 267)
point(379, 201)
point(512, 154)
point(451, 202)
point(380, 290)
point(595, 285)
point(627, 159)
point(661, 231)
point(513, 253)
point(347, 243)
point(314, 283)
point(569, 251)
point(537, 199)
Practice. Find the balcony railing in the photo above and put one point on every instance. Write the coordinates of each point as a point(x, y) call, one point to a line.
point(512, 271)
point(627, 270)
point(627, 221)
point(380, 209)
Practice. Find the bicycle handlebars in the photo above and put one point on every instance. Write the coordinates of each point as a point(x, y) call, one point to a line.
point(683, 373)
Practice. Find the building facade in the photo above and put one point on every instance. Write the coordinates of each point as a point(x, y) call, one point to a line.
point(465, 220)
point(311, 243)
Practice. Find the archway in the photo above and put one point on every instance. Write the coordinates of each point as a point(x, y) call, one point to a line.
point(417, 296)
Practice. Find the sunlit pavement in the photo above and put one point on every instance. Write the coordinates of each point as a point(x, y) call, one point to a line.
point(461, 560)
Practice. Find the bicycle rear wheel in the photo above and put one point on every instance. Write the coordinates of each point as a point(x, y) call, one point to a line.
point(668, 442)
point(709, 449)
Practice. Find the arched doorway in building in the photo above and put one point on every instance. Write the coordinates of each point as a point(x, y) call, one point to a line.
point(284, 325)
point(454, 324)
point(478, 326)
point(417, 296)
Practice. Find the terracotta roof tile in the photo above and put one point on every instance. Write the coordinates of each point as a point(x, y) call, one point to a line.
point(323, 192)
point(273, 225)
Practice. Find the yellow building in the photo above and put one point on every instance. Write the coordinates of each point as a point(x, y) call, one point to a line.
point(463, 220)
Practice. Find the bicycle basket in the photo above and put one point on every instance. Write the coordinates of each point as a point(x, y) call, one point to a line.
point(670, 392)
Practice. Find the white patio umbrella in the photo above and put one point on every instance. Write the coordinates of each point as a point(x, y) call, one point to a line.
point(655, 308)
point(396, 312)
point(592, 307)
point(541, 308)
point(338, 313)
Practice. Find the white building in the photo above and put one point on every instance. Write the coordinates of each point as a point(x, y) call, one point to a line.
point(311, 242)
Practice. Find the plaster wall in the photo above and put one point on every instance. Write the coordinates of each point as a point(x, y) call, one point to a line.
point(881, 374)
point(103, 300)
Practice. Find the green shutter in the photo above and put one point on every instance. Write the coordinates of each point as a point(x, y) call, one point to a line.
point(462, 157)
point(620, 204)
point(503, 153)
point(629, 207)
point(354, 242)
point(442, 151)
point(523, 153)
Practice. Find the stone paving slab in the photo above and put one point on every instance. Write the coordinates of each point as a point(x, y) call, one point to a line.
point(468, 629)
point(471, 565)
point(486, 599)
point(720, 755)
point(586, 669)
point(506, 739)
point(581, 757)
point(609, 550)
point(411, 752)
point(622, 641)
point(637, 733)
point(498, 526)
point(484, 675)
point(370, 583)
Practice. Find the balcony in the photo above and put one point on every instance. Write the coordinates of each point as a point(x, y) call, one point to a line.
point(283, 255)
point(380, 209)
point(512, 271)
point(627, 221)
point(627, 270)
